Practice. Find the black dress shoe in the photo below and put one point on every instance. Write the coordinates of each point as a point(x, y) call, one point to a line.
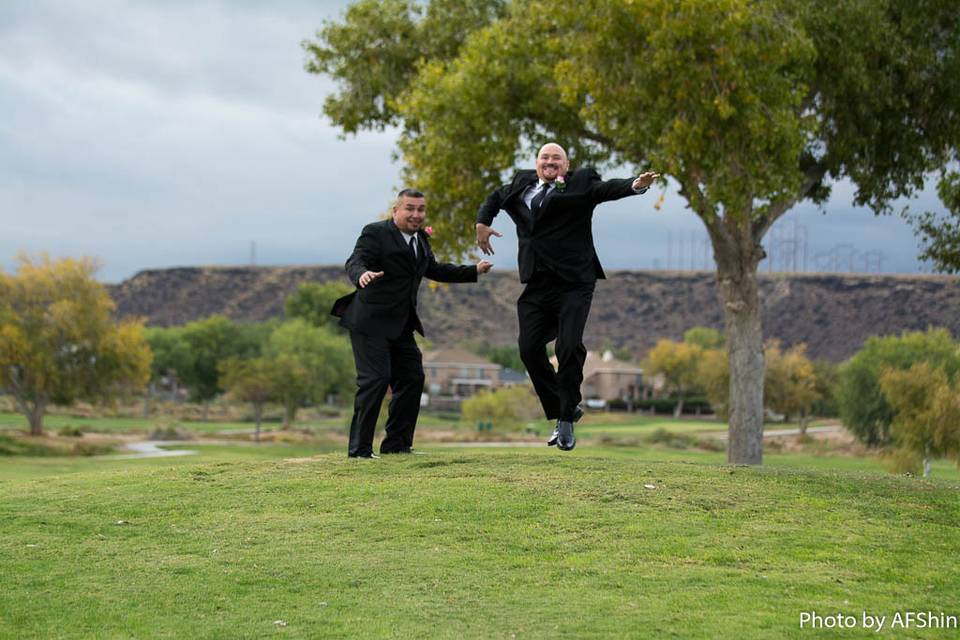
point(566, 441)
point(577, 414)
point(368, 456)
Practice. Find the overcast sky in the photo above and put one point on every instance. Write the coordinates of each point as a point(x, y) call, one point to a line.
point(175, 133)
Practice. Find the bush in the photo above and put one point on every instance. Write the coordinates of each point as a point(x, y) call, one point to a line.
point(509, 408)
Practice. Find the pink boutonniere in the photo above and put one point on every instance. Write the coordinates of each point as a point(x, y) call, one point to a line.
point(428, 231)
point(560, 183)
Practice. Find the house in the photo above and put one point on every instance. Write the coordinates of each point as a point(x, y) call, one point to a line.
point(458, 374)
point(606, 378)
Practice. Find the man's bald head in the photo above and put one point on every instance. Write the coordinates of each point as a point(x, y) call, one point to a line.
point(551, 162)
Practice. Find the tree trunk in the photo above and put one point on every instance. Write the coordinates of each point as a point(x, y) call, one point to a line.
point(737, 281)
point(258, 413)
point(146, 399)
point(678, 409)
point(927, 462)
point(289, 413)
point(35, 417)
point(804, 419)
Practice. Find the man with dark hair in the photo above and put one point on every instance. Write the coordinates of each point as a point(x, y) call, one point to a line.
point(553, 212)
point(388, 262)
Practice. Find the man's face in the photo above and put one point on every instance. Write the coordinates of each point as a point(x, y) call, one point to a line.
point(408, 214)
point(551, 162)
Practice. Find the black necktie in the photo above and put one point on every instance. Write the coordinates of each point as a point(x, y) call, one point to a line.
point(538, 199)
point(413, 246)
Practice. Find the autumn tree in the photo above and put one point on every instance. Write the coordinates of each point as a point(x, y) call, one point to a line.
point(59, 341)
point(749, 107)
point(677, 362)
point(863, 407)
point(926, 408)
point(790, 384)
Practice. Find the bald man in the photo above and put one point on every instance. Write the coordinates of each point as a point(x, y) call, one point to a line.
point(553, 211)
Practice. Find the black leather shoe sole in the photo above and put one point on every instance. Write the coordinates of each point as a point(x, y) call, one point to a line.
point(577, 414)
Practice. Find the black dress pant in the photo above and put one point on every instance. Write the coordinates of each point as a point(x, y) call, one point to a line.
point(552, 308)
point(383, 363)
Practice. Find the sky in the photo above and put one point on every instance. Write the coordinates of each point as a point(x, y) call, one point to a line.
point(185, 133)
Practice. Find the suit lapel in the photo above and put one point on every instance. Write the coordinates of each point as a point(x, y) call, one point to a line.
point(398, 239)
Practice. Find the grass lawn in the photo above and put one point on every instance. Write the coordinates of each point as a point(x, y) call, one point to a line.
point(464, 543)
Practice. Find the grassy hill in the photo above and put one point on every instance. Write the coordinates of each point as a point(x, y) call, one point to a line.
point(465, 544)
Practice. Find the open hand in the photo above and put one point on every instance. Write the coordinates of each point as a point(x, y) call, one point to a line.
point(483, 266)
point(368, 277)
point(483, 238)
point(645, 180)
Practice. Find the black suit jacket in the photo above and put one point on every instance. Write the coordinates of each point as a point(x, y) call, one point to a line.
point(560, 237)
point(386, 306)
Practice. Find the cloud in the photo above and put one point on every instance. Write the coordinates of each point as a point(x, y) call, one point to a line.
point(167, 133)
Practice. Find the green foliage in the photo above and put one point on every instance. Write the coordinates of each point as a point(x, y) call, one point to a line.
point(704, 337)
point(59, 341)
point(211, 341)
point(312, 302)
point(678, 363)
point(940, 235)
point(927, 406)
point(509, 408)
point(505, 356)
point(310, 363)
point(863, 408)
point(171, 352)
point(827, 377)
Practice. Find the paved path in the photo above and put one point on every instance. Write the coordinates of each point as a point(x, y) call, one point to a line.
point(150, 449)
point(774, 433)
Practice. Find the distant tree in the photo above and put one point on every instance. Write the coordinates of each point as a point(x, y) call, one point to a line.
point(677, 362)
point(312, 302)
point(790, 383)
point(172, 358)
point(507, 356)
point(508, 408)
point(704, 337)
point(863, 407)
point(59, 341)
point(713, 376)
point(620, 353)
point(927, 412)
point(311, 363)
point(255, 381)
point(211, 341)
point(827, 375)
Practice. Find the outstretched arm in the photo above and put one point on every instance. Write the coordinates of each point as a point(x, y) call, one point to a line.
point(444, 272)
point(608, 190)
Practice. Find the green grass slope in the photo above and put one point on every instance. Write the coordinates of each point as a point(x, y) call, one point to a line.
point(467, 544)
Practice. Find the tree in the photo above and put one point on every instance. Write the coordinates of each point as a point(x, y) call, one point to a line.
point(704, 337)
point(511, 407)
point(255, 381)
point(940, 235)
point(790, 384)
point(927, 412)
point(713, 375)
point(211, 341)
point(750, 107)
point(172, 358)
point(863, 407)
point(59, 341)
point(677, 362)
point(311, 363)
point(507, 356)
point(312, 302)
